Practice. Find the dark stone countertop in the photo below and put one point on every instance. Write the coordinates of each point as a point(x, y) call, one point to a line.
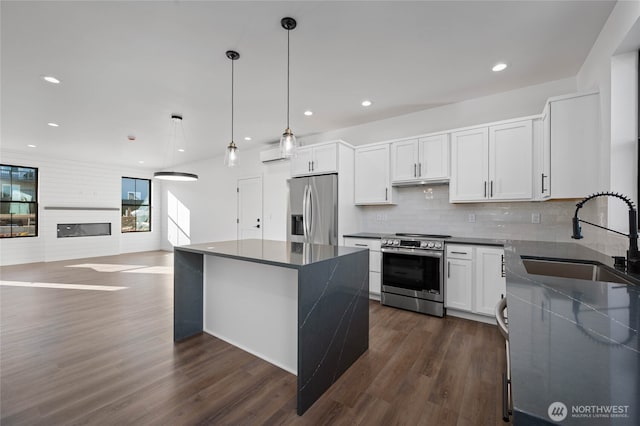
point(279, 253)
point(371, 235)
point(571, 341)
point(451, 240)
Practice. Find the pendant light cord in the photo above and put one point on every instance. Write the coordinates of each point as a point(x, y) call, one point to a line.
point(288, 55)
point(232, 100)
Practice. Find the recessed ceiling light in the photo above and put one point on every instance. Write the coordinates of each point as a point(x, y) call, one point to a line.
point(31, 146)
point(247, 138)
point(51, 79)
point(308, 113)
point(499, 67)
point(53, 124)
point(366, 103)
point(180, 149)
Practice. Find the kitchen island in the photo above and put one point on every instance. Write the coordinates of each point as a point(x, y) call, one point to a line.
point(302, 307)
point(574, 343)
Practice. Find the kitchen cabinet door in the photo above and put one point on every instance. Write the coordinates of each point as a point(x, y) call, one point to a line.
point(434, 157)
point(372, 178)
point(325, 159)
point(459, 284)
point(511, 161)
point(301, 162)
point(575, 146)
point(542, 157)
point(490, 284)
point(469, 165)
point(404, 160)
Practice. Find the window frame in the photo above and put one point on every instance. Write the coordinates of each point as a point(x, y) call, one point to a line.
point(124, 204)
point(34, 203)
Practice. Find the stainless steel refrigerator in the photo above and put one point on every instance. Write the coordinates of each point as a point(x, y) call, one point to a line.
point(313, 210)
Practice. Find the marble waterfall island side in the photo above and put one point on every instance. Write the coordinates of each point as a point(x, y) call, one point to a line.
point(302, 307)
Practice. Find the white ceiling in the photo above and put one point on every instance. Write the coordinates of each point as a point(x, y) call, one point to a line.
point(127, 66)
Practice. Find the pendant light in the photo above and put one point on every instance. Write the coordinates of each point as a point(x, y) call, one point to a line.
point(176, 120)
point(231, 154)
point(288, 142)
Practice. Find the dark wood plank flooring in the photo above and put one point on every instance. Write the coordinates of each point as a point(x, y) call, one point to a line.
point(71, 356)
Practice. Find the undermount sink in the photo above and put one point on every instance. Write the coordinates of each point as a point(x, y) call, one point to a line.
point(580, 271)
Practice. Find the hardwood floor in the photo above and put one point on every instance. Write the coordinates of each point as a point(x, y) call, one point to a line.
point(74, 356)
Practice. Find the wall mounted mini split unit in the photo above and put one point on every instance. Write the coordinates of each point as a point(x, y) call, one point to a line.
point(270, 155)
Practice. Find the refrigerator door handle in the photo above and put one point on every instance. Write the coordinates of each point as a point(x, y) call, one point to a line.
point(304, 211)
point(309, 213)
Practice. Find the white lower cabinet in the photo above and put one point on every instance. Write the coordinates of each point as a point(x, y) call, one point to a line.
point(375, 261)
point(474, 280)
point(459, 277)
point(490, 284)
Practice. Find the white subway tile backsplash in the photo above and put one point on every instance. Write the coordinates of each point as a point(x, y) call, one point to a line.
point(415, 212)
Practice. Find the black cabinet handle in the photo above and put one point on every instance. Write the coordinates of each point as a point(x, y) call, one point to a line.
point(386, 194)
point(415, 170)
point(503, 272)
point(458, 252)
point(361, 245)
point(491, 189)
point(419, 169)
point(485, 188)
point(448, 269)
point(542, 181)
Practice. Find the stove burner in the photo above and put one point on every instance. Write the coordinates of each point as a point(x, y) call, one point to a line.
point(402, 234)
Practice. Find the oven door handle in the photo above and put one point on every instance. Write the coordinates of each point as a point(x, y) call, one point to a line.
point(410, 252)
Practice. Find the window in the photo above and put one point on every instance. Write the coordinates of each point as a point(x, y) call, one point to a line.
point(18, 202)
point(136, 205)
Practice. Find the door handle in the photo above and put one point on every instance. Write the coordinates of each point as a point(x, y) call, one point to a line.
point(491, 189)
point(503, 271)
point(542, 181)
point(485, 189)
point(304, 212)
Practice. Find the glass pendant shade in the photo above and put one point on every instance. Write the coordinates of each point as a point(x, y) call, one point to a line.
point(288, 144)
point(231, 155)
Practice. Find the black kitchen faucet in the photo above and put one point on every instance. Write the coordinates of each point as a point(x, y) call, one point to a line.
point(633, 256)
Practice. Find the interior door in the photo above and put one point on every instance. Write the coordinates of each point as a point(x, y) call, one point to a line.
point(250, 208)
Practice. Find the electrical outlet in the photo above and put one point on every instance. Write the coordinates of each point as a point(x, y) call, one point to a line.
point(381, 217)
point(472, 218)
point(535, 217)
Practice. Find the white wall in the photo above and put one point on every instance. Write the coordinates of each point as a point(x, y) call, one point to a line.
point(596, 73)
point(64, 183)
point(502, 106)
point(206, 210)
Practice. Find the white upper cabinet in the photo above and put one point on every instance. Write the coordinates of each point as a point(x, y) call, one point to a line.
point(492, 163)
point(315, 160)
point(469, 165)
point(434, 157)
point(372, 177)
point(511, 161)
point(424, 159)
point(574, 136)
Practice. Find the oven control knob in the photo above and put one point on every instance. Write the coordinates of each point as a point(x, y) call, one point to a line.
point(383, 242)
point(431, 244)
point(438, 245)
point(423, 244)
point(396, 242)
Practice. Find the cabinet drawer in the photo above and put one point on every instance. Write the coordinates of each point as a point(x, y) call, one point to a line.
point(459, 252)
point(370, 243)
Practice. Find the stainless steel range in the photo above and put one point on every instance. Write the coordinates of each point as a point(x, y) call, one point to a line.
point(413, 272)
